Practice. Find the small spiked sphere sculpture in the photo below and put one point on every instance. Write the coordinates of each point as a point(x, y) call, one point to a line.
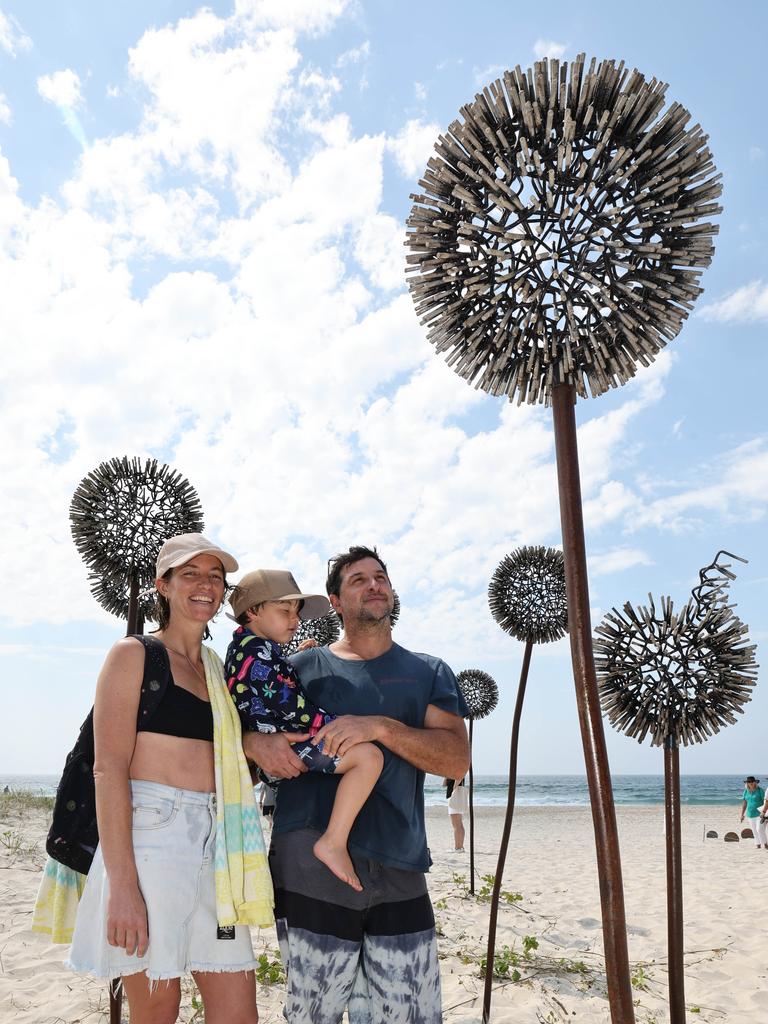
point(556, 245)
point(678, 678)
point(116, 599)
point(120, 514)
point(481, 695)
point(527, 598)
point(323, 630)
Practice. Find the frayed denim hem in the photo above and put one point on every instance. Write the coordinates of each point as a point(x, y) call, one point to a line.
point(155, 976)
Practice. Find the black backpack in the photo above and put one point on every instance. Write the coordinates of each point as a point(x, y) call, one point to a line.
point(74, 835)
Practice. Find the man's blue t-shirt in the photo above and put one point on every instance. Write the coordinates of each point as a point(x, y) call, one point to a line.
point(399, 684)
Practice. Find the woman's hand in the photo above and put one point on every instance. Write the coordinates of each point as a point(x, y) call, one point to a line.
point(127, 920)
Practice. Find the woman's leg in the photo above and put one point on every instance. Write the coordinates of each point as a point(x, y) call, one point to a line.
point(228, 997)
point(458, 831)
point(160, 1005)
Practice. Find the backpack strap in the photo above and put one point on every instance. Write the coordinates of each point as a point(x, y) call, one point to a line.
point(154, 683)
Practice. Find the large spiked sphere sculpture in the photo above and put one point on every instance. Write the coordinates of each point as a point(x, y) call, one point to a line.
point(678, 678)
point(527, 598)
point(481, 695)
point(556, 245)
point(120, 514)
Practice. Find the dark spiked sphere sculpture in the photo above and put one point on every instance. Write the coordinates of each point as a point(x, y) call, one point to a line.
point(120, 514)
point(527, 595)
point(481, 695)
point(678, 678)
point(116, 598)
point(480, 692)
point(560, 232)
point(556, 245)
point(324, 630)
point(527, 598)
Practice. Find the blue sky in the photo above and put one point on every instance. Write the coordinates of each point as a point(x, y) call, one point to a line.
point(201, 225)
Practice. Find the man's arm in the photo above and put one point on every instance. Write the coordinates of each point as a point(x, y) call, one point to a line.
point(440, 747)
point(272, 752)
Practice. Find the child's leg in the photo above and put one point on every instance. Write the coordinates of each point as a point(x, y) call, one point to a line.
point(458, 831)
point(360, 767)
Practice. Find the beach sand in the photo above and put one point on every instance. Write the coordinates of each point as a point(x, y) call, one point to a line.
point(551, 864)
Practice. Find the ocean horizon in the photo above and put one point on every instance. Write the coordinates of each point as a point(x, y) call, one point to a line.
point(532, 790)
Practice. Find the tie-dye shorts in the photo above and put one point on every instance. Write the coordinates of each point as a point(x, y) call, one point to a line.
point(373, 953)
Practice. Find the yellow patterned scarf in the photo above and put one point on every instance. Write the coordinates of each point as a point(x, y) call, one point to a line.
point(243, 883)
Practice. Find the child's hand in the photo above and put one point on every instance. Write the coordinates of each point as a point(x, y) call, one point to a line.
point(306, 644)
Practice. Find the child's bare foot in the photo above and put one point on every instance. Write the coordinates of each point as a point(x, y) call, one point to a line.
point(337, 860)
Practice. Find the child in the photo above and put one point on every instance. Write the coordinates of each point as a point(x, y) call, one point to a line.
point(267, 692)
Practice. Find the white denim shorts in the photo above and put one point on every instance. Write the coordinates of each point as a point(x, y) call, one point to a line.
point(458, 802)
point(174, 832)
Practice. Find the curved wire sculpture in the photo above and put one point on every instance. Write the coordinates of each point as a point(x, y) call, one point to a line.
point(557, 244)
point(480, 692)
point(324, 630)
point(678, 678)
point(681, 675)
point(120, 514)
point(527, 594)
point(561, 234)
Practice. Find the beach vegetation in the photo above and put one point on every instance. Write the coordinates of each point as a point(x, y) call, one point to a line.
point(269, 968)
point(17, 845)
point(17, 803)
point(640, 978)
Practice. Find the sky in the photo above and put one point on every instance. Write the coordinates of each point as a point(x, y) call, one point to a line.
point(202, 215)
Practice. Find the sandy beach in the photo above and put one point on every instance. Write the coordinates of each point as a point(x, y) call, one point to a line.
point(559, 969)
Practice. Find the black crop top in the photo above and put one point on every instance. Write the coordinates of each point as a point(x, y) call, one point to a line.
point(180, 713)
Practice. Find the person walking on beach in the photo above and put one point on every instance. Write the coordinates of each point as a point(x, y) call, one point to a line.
point(458, 806)
point(372, 952)
point(752, 799)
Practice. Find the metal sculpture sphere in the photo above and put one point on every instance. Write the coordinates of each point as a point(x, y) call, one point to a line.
point(479, 691)
point(323, 630)
point(681, 675)
point(114, 597)
point(561, 232)
point(123, 511)
point(527, 594)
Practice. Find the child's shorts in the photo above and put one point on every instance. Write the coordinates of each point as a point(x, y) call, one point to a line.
point(458, 802)
point(174, 833)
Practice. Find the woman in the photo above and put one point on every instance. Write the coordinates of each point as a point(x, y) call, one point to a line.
point(458, 806)
point(154, 906)
point(751, 800)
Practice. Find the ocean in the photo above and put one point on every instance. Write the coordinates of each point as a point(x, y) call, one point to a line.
point(532, 790)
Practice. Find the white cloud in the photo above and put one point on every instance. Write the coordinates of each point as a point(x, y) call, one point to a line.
point(355, 55)
point(5, 110)
point(12, 38)
point(617, 560)
point(413, 146)
point(485, 75)
point(420, 91)
point(298, 15)
point(756, 154)
point(62, 88)
point(548, 48)
point(745, 305)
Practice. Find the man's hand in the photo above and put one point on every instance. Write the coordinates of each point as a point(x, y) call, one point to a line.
point(274, 754)
point(344, 732)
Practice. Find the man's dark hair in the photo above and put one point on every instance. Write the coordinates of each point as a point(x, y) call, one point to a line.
point(339, 562)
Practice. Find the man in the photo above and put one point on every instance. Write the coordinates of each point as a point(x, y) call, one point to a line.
point(373, 952)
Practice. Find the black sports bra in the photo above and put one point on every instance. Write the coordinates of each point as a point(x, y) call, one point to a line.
point(181, 713)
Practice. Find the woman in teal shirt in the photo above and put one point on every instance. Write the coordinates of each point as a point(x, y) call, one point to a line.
point(751, 805)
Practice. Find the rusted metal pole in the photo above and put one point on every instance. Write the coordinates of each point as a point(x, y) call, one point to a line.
point(133, 608)
point(471, 817)
point(511, 790)
point(674, 882)
point(588, 705)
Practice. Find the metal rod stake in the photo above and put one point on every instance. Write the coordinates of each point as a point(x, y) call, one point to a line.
point(674, 882)
point(588, 705)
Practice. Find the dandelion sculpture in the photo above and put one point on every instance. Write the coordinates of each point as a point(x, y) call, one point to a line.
point(678, 677)
point(527, 597)
point(481, 695)
point(120, 515)
point(557, 244)
point(323, 631)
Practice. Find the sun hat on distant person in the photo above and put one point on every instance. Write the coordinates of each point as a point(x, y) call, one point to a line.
point(179, 550)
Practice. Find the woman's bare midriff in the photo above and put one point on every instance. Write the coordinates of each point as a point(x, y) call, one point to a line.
point(173, 761)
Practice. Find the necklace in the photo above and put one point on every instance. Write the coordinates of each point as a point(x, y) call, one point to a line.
point(200, 675)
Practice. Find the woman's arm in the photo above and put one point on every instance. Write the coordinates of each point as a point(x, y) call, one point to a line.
point(114, 720)
point(743, 808)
